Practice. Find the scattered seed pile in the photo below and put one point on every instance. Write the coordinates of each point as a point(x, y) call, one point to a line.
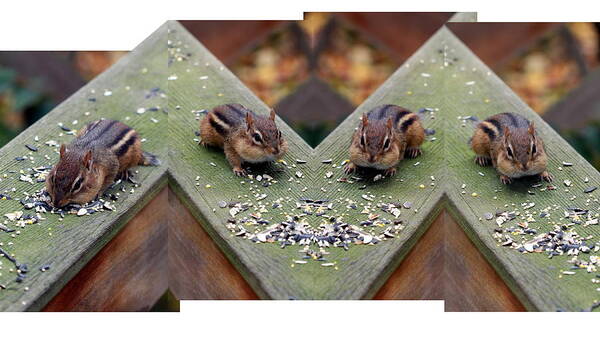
point(553, 231)
point(35, 207)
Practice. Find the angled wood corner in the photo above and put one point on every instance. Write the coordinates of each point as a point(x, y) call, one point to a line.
point(443, 75)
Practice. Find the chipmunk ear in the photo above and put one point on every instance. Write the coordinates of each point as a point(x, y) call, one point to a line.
point(63, 150)
point(531, 129)
point(365, 120)
point(272, 116)
point(506, 132)
point(249, 121)
point(389, 124)
point(87, 159)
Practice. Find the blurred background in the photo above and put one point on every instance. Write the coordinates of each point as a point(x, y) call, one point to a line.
point(316, 71)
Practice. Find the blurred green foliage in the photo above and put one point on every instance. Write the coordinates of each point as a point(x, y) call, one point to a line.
point(22, 102)
point(586, 141)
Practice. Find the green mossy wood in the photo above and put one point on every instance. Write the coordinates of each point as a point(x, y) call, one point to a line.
point(267, 267)
point(137, 81)
point(472, 89)
point(443, 75)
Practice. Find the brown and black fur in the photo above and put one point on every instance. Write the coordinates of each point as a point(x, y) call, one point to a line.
point(386, 135)
point(244, 135)
point(102, 151)
point(510, 143)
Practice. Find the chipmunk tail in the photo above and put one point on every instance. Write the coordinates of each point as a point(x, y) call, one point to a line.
point(149, 159)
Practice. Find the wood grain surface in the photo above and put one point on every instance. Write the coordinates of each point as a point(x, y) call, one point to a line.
point(130, 273)
point(137, 81)
point(444, 264)
point(197, 268)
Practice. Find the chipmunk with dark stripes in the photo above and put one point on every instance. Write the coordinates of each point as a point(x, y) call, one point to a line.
point(385, 135)
point(509, 142)
point(243, 135)
point(102, 151)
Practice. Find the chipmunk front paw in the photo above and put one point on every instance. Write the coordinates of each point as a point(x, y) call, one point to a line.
point(483, 160)
point(505, 179)
point(203, 143)
point(546, 176)
point(350, 168)
point(390, 172)
point(123, 175)
point(239, 171)
point(412, 152)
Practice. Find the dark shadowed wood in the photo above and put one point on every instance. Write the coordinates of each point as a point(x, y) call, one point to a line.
point(197, 268)
point(129, 273)
point(444, 264)
point(314, 102)
point(508, 38)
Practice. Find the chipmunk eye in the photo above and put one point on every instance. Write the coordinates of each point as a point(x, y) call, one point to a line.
point(362, 140)
point(278, 134)
point(257, 138)
point(386, 144)
point(77, 184)
point(533, 149)
point(509, 152)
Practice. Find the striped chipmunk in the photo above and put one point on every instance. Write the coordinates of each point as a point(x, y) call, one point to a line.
point(509, 142)
point(384, 137)
point(243, 135)
point(102, 151)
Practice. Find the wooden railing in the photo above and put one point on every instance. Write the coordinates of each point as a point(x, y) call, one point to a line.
point(445, 77)
point(54, 249)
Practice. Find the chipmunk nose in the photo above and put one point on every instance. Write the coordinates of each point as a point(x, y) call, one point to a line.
point(371, 158)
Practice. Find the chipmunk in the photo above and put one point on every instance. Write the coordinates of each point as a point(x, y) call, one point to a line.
point(385, 136)
point(244, 135)
point(102, 151)
point(509, 142)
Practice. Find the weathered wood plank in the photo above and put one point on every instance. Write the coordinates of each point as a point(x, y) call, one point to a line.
point(197, 267)
point(472, 89)
point(136, 81)
point(129, 273)
point(444, 264)
point(269, 269)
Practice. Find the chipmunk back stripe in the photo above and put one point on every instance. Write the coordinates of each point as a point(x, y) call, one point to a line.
point(93, 134)
point(497, 125)
point(382, 111)
point(490, 133)
point(401, 115)
point(218, 127)
point(407, 123)
point(93, 125)
point(125, 146)
point(512, 118)
point(121, 139)
point(237, 109)
point(222, 118)
point(108, 126)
